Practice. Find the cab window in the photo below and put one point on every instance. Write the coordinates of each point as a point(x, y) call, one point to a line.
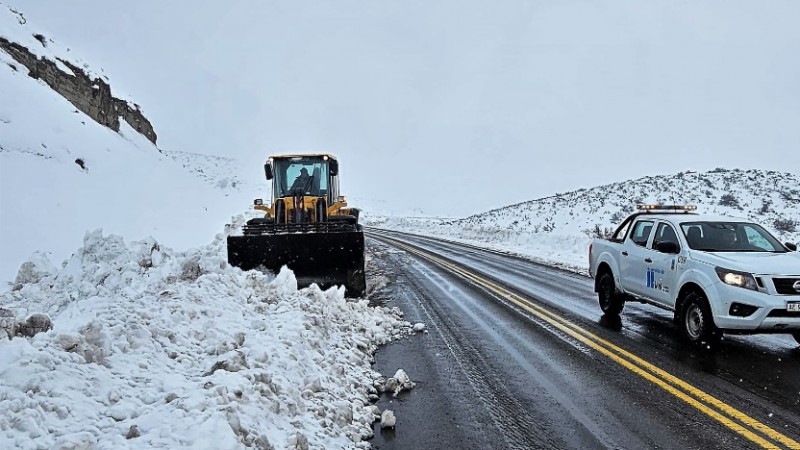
point(641, 232)
point(730, 237)
point(619, 235)
point(665, 233)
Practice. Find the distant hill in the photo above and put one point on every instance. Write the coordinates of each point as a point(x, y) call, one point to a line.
point(768, 197)
point(557, 229)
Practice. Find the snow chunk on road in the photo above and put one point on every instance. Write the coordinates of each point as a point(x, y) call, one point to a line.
point(185, 350)
point(388, 419)
point(398, 383)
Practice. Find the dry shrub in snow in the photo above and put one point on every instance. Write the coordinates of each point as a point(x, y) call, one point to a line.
point(785, 225)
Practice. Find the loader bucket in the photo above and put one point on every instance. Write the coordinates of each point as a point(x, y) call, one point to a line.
point(326, 255)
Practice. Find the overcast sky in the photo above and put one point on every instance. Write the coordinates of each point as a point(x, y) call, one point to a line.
point(456, 106)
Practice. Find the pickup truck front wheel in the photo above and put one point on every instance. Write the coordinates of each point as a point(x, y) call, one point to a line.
point(696, 323)
point(611, 302)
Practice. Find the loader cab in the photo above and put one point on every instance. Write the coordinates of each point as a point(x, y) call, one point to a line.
point(307, 175)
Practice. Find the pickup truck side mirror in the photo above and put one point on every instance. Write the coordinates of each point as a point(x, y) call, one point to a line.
point(668, 247)
point(790, 246)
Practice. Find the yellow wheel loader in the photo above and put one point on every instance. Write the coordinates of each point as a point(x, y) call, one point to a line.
point(307, 226)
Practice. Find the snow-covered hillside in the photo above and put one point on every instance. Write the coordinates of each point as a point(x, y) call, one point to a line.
point(225, 174)
point(558, 229)
point(764, 196)
point(62, 174)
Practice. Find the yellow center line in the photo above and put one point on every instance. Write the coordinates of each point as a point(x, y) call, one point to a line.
point(684, 391)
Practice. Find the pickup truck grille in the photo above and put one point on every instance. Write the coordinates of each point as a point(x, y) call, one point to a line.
point(785, 286)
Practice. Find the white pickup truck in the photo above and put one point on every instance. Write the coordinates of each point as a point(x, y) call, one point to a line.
point(718, 274)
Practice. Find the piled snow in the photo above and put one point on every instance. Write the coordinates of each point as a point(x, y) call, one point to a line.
point(557, 230)
point(152, 347)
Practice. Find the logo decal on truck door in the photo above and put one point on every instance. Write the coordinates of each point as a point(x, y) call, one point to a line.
point(651, 278)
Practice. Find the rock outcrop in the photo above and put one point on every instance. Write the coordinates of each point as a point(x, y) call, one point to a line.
point(91, 96)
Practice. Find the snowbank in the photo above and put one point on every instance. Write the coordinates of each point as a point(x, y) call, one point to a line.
point(156, 348)
point(567, 251)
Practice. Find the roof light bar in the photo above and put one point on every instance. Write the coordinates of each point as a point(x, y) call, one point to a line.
point(666, 207)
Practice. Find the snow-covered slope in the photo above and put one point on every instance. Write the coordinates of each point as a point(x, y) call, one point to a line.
point(764, 196)
point(62, 174)
point(225, 174)
point(17, 28)
point(558, 229)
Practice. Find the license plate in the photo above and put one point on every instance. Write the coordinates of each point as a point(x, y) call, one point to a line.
point(793, 306)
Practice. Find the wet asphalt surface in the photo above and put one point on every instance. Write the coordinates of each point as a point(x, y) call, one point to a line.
point(492, 376)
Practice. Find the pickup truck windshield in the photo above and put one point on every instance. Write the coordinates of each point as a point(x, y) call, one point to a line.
point(730, 237)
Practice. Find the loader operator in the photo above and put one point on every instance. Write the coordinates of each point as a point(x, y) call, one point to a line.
point(301, 182)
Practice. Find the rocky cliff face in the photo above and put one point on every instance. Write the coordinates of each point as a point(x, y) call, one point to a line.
point(91, 96)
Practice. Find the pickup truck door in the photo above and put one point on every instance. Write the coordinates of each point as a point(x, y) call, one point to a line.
point(662, 271)
point(632, 265)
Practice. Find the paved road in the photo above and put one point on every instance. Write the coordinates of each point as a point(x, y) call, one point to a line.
point(517, 355)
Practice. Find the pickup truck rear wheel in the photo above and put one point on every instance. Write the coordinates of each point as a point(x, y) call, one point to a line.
point(611, 302)
point(696, 322)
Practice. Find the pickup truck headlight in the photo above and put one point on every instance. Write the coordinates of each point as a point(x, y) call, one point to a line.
point(736, 278)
